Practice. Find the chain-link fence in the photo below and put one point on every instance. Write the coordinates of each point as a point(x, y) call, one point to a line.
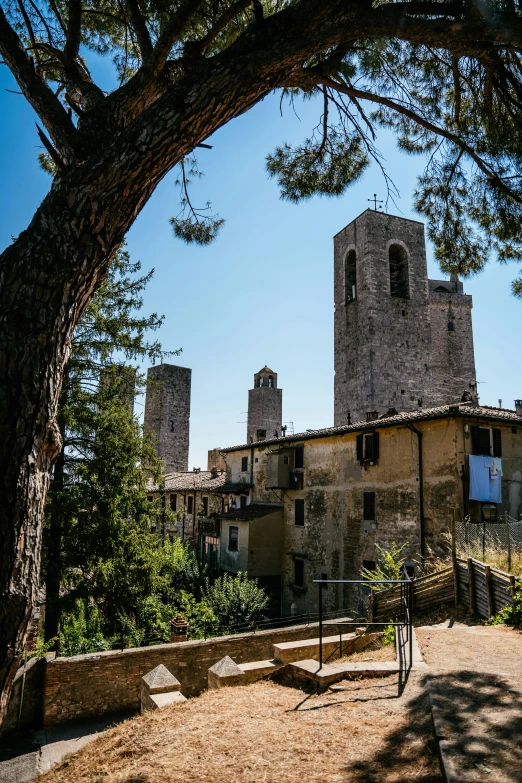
point(498, 542)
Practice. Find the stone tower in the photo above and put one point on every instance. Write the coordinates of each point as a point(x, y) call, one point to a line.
point(394, 346)
point(265, 407)
point(452, 353)
point(167, 414)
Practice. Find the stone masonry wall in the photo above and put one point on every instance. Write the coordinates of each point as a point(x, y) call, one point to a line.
point(382, 342)
point(265, 412)
point(97, 684)
point(452, 353)
point(32, 702)
point(167, 414)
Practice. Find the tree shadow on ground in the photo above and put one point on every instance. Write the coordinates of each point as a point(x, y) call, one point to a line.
point(481, 720)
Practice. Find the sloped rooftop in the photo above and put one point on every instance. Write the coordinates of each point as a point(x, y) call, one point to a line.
point(408, 417)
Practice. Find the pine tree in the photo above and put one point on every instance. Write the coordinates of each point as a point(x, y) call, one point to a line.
point(98, 545)
point(445, 76)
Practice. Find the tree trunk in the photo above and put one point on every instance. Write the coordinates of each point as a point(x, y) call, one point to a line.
point(46, 279)
point(53, 571)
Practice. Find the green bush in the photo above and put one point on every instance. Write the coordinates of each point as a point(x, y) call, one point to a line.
point(511, 615)
point(390, 565)
point(236, 600)
point(388, 637)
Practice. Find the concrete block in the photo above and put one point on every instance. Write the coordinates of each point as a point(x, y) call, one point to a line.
point(225, 673)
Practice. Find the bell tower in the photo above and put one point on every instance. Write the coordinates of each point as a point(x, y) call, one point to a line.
point(265, 407)
point(402, 342)
point(381, 322)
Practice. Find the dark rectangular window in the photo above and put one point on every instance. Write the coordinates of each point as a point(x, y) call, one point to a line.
point(244, 464)
point(261, 434)
point(190, 504)
point(368, 447)
point(173, 502)
point(299, 509)
point(324, 576)
point(233, 538)
point(205, 507)
point(497, 443)
point(299, 457)
point(481, 441)
point(369, 506)
point(370, 565)
point(242, 501)
point(299, 573)
point(150, 498)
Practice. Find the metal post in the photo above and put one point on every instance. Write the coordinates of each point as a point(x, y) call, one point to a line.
point(410, 629)
point(508, 536)
point(320, 625)
point(341, 641)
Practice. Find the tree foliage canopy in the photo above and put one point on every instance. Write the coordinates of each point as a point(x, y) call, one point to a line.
point(445, 76)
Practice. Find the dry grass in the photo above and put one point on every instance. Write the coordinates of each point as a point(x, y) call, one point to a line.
point(272, 733)
point(496, 557)
point(376, 652)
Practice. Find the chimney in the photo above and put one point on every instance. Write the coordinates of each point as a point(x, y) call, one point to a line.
point(518, 407)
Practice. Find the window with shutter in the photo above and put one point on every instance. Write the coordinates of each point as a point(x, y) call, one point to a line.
point(173, 502)
point(205, 507)
point(190, 504)
point(497, 443)
point(481, 441)
point(244, 464)
point(359, 449)
point(369, 506)
point(299, 517)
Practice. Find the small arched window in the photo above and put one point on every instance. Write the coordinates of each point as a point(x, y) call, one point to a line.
point(350, 276)
point(399, 283)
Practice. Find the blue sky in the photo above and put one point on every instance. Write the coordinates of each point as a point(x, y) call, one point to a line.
point(263, 292)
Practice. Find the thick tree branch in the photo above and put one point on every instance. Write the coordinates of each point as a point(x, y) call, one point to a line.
point(40, 96)
point(74, 30)
point(140, 28)
point(171, 32)
point(231, 12)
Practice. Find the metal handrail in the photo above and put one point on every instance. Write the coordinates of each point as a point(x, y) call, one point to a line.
point(406, 600)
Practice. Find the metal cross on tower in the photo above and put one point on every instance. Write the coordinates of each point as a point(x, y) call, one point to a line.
point(375, 201)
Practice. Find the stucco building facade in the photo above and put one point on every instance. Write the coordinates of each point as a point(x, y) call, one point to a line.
point(343, 490)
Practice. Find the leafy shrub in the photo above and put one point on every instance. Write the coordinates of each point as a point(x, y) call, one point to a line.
point(236, 600)
point(511, 615)
point(388, 637)
point(390, 565)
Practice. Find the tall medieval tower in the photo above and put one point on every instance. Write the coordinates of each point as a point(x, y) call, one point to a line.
point(167, 414)
point(265, 407)
point(401, 342)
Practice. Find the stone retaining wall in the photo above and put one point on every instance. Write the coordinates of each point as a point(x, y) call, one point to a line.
point(101, 683)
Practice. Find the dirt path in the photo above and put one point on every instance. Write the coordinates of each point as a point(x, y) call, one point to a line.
point(475, 680)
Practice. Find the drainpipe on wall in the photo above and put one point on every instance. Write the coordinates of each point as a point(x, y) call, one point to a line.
point(418, 433)
point(251, 472)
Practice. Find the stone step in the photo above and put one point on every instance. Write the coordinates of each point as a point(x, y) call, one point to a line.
point(309, 670)
point(256, 670)
point(288, 652)
point(158, 700)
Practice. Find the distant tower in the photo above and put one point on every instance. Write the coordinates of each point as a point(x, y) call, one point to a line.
point(394, 346)
point(265, 407)
point(167, 414)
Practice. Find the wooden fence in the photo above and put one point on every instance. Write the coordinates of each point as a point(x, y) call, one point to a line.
point(483, 589)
